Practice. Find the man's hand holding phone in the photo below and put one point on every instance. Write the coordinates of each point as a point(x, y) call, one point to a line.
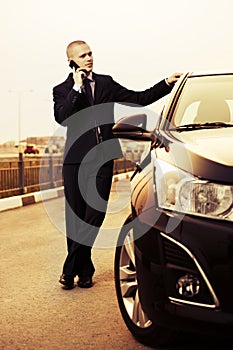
point(78, 73)
point(78, 76)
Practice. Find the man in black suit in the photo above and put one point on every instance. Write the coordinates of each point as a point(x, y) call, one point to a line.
point(84, 103)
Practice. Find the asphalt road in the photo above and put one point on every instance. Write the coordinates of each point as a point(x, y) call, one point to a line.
point(36, 313)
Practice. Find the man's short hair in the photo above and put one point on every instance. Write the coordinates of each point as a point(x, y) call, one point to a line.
point(71, 45)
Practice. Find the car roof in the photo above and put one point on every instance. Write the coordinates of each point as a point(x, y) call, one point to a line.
point(218, 71)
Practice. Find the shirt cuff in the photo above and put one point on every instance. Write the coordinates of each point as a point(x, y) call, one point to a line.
point(168, 82)
point(77, 88)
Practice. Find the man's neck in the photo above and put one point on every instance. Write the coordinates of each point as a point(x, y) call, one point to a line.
point(89, 76)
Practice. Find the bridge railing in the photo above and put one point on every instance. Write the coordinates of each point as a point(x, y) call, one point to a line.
point(26, 174)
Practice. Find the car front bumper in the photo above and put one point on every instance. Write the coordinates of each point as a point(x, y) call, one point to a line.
point(198, 248)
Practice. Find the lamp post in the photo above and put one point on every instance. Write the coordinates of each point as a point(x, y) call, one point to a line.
point(19, 94)
point(20, 146)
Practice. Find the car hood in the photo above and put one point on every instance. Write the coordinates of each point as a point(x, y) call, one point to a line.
point(207, 153)
point(213, 144)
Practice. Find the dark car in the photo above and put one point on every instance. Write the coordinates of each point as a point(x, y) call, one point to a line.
point(31, 149)
point(174, 256)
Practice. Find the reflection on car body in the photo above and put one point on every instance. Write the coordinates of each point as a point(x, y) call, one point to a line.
point(174, 257)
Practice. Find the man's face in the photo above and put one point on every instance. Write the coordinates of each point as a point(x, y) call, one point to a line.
point(82, 55)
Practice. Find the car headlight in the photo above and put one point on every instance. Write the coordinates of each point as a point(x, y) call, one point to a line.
point(182, 192)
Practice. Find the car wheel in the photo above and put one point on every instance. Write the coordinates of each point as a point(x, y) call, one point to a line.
point(137, 321)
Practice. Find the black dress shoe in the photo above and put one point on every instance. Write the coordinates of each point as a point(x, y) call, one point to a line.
point(85, 282)
point(67, 281)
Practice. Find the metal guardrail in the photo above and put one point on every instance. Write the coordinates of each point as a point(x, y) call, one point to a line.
point(29, 174)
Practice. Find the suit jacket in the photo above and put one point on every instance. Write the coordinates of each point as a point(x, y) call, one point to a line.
point(72, 109)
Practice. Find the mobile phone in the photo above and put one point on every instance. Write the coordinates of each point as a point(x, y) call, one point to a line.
point(76, 66)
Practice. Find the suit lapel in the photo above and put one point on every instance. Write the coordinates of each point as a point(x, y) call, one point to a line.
point(97, 87)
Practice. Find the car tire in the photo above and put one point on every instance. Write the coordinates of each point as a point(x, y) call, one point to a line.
point(136, 320)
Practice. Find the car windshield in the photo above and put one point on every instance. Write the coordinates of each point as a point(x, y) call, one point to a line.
point(206, 101)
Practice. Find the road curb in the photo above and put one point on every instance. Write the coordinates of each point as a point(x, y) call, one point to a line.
point(36, 197)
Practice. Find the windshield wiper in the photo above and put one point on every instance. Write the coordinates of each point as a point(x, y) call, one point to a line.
point(198, 126)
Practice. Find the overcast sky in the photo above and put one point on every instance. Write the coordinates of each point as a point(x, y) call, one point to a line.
point(136, 42)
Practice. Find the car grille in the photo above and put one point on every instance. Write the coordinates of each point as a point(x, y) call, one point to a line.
point(175, 255)
point(179, 261)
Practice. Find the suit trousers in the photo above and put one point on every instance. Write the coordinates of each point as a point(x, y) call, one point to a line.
point(87, 187)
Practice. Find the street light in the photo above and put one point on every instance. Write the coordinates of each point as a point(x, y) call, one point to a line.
point(20, 148)
point(19, 97)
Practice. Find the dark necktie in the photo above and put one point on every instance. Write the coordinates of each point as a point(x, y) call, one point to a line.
point(88, 91)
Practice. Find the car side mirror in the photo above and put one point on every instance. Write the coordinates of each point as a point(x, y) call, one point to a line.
point(133, 128)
